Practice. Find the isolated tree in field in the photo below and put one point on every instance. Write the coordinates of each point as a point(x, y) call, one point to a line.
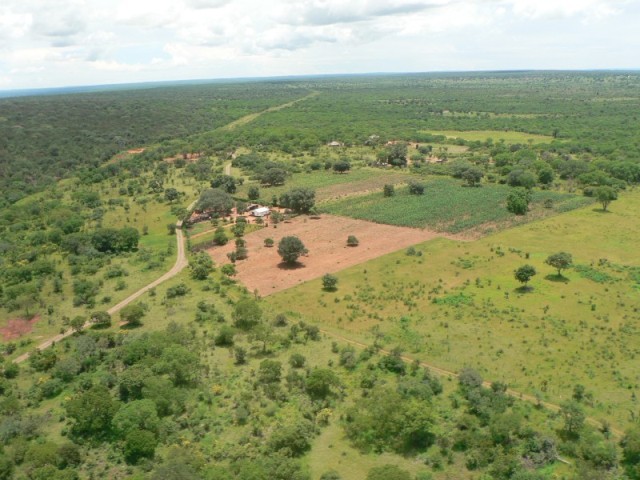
point(321, 382)
point(524, 274)
point(274, 176)
point(246, 313)
point(132, 314)
point(574, 417)
point(352, 241)
point(388, 190)
point(518, 201)
point(329, 282)
point(216, 201)
point(300, 200)
point(253, 193)
point(341, 166)
point(268, 242)
point(220, 236)
point(560, 261)
point(605, 195)
point(171, 194)
point(290, 248)
point(100, 319)
point(472, 176)
point(416, 188)
point(201, 266)
point(77, 323)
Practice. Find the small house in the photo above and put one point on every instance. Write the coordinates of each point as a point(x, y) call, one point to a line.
point(260, 212)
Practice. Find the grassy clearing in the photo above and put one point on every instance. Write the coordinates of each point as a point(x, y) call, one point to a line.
point(458, 304)
point(447, 206)
point(496, 135)
point(320, 179)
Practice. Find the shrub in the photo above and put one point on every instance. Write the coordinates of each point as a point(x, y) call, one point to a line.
point(329, 282)
point(352, 241)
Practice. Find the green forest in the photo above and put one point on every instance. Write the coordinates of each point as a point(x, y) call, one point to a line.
point(153, 327)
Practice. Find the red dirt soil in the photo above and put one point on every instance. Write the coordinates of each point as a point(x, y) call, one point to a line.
point(326, 240)
point(17, 327)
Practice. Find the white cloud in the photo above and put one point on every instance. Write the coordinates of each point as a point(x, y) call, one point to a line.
point(92, 41)
point(538, 9)
point(14, 25)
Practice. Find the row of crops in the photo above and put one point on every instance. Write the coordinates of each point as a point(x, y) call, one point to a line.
point(447, 206)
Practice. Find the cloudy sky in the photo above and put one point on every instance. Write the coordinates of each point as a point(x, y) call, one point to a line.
point(52, 43)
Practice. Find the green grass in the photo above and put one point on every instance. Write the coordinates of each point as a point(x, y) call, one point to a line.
point(320, 179)
point(462, 306)
point(448, 206)
point(497, 135)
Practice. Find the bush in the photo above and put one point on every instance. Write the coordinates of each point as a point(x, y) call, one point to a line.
point(297, 360)
point(179, 290)
point(329, 282)
point(224, 337)
point(268, 242)
point(139, 444)
point(416, 188)
point(352, 241)
point(388, 190)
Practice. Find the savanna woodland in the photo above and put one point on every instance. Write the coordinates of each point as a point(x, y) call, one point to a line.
point(411, 277)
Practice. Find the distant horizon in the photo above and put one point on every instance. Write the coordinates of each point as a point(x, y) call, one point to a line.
point(66, 43)
point(101, 87)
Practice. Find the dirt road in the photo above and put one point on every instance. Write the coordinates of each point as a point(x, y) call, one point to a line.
point(181, 263)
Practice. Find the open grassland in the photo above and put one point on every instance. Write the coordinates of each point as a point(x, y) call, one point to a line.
point(324, 181)
point(457, 304)
point(450, 207)
point(507, 136)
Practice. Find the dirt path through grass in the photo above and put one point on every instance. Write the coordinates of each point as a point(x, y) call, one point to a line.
point(447, 373)
point(252, 116)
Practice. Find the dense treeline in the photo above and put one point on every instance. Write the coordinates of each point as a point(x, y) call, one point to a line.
point(44, 138)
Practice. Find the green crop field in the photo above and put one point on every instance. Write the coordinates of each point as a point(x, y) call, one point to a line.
point(483, 135)
point(448, 206)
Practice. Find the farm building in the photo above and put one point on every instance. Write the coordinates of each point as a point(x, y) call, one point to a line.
point(260, 212)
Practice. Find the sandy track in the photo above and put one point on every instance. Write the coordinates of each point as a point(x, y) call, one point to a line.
point(325, 238)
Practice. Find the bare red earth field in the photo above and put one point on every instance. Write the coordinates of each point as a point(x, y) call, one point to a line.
point(326, 239)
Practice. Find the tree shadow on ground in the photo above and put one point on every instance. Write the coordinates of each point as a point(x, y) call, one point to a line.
point(524, 289)
point(600, 210)
point(290, 266)
point(554, 277)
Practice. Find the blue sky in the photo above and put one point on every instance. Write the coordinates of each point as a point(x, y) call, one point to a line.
point(46, 43)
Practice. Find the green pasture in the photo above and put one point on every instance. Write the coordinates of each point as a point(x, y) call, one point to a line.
point(449, 206)
point(508, 136)
point(457, 304)
point(319, 179)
